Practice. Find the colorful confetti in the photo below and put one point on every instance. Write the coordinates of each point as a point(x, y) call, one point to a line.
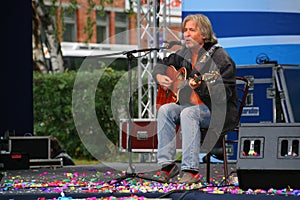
point(89, 182)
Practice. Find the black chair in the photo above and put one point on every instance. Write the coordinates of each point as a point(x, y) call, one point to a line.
point(243, 85)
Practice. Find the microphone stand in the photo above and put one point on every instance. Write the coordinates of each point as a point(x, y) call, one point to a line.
point(130, 172)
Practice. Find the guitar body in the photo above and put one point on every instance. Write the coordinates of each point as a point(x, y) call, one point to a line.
point(169, 95)
point(178, 90)
point(165, 95)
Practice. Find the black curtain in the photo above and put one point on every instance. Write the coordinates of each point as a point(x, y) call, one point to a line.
point(16, 104)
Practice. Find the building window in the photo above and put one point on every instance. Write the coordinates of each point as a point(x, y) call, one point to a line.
point(102, 24)
point(70, 34)
point(121, 28)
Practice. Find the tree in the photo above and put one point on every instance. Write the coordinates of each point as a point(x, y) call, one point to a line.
point(52, 42)
point(38, 56)
point(43, 19)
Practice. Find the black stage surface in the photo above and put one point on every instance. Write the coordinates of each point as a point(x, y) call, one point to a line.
point(100, 182)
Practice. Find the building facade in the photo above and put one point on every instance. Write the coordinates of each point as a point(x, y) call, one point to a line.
point(107, 24)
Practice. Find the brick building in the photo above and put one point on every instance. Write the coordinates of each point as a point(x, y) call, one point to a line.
point(115, 19)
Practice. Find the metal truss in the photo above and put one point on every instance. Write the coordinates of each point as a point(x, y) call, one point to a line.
point(151, 16)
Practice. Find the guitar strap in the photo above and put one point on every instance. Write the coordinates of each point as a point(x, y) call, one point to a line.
point(203, 59)
point(209, 53)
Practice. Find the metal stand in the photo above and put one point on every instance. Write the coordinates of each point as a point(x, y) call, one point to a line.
point(130, 172)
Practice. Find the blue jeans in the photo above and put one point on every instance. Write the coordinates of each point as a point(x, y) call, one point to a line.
point(190, 118)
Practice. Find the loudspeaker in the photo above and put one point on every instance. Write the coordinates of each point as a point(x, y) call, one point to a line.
point(14, 161)
point(268, 156)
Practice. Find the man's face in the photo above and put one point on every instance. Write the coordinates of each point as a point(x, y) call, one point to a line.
point(192, 36)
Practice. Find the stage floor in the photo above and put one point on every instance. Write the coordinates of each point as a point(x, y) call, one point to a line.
point(101, 182)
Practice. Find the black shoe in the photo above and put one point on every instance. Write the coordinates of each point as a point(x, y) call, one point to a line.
point(216, 152)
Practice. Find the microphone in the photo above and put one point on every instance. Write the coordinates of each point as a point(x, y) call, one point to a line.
point(173, 43)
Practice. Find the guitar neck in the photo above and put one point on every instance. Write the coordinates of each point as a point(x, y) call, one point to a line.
point(199, 78)
point(208, 77)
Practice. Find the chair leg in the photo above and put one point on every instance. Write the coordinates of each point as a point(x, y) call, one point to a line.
point(225, 161)
point(208, 168)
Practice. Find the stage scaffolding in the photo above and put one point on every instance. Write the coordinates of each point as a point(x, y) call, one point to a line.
point(151, 15)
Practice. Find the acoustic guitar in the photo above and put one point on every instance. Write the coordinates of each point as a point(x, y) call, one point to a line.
point(177, 91)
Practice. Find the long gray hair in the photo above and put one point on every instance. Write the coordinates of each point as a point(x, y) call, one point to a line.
point(204, 26)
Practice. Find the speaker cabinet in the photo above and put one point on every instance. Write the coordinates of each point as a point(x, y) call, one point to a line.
point(14, 161)
point(268, 156)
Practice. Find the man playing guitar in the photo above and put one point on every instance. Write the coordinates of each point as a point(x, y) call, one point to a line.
point(192, 103)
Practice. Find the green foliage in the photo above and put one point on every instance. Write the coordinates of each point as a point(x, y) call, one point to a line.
point(53, 108)
point(89, 28)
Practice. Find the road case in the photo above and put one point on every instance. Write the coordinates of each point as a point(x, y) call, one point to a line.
point(260, 105)
point(143, 135)
point(287, 82)
point(37, 149)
